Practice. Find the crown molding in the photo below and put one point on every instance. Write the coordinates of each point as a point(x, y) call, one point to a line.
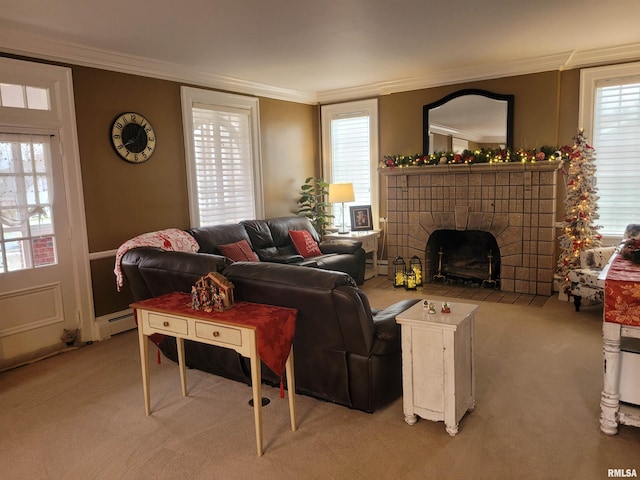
point(619, 54)
point(560, 61)
point(449, 77)
point(45, 48)
point(21, 43)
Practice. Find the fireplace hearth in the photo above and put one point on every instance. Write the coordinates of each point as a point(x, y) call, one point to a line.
point(512, 203)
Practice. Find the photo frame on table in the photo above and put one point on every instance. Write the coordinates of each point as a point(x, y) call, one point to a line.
point(361, 218)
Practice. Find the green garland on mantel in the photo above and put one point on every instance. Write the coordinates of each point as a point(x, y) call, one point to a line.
point(483, 155)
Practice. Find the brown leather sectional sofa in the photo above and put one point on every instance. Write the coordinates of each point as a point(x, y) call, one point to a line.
point(343, 351)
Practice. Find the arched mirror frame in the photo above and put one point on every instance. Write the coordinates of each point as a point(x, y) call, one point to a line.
point(462, 93)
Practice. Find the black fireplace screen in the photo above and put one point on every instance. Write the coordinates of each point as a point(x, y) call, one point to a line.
point(470, 256)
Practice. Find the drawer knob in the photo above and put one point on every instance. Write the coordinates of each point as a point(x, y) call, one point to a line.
point(216, 333)
point(165, 324)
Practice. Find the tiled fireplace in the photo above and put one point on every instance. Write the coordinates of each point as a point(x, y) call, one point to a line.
point(514, 202)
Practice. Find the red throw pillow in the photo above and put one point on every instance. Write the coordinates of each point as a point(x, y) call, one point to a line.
point(304, 243)
point(239, 252)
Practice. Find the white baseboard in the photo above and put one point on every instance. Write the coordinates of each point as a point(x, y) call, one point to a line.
point(115, 323)
point(383, 268)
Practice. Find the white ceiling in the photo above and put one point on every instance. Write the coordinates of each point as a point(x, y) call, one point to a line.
point(324, 50)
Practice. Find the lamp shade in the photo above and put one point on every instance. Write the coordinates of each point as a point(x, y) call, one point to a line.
point(341, 193)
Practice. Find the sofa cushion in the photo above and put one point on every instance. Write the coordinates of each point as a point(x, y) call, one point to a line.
point(304, 243)
point(210, 237)
point(281, 226)
point(239, 252)
point(260, 238)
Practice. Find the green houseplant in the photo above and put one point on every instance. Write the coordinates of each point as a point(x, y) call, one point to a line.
point(312, 203)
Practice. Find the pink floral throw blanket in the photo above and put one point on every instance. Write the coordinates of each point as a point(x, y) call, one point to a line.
point(169, 239)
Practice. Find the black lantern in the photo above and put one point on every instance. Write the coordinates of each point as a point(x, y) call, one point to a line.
point(415, 266)
point(410, 280)
point(399, 272)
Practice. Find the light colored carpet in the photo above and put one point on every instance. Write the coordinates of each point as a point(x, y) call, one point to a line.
point(80, 415)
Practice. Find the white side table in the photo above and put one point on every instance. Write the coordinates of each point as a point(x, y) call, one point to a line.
point(369, 239)
point(438, 372)
point(612, 412)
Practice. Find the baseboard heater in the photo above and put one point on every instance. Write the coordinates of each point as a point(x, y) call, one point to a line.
point(114, 323)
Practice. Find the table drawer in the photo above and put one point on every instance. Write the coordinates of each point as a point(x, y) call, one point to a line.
point(219, 333)
point(368, 244)
point(168, 324)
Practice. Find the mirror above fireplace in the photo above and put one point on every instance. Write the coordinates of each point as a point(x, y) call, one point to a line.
point(467, 120)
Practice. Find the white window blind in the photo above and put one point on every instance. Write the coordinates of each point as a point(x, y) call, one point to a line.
point(351, 152)
point(222, 144)
point(224, 177)
point(616, 138)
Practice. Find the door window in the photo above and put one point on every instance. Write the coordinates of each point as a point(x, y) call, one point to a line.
point(27, 237)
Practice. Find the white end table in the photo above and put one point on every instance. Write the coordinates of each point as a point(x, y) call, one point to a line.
point(438, 372)
point(369, 239)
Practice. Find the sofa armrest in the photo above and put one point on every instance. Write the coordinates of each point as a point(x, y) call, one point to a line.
point(340, 246)
point(384, 322)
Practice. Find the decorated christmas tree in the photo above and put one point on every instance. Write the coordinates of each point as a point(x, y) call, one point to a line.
point(581, 207)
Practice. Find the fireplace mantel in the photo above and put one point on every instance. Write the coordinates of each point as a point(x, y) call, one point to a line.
point(471, 168)
point(515, 202)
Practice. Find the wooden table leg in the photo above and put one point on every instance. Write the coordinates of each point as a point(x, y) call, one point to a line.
point(256, 386)
point(291, 389)
point(143, 342)
point(181, 365)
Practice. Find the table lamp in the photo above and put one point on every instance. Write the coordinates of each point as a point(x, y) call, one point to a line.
point(341, 193)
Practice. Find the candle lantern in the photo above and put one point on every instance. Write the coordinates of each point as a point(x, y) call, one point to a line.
point(410, 280)
point(415, 265)
point(399, 272)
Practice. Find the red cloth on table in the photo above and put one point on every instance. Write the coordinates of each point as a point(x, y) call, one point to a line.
point(622, 292)
point(275, 325)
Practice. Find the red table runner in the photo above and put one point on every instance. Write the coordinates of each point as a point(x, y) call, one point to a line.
point(275, 326)
point(622, 292)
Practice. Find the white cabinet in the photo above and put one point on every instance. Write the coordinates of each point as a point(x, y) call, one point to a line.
point(438, 375)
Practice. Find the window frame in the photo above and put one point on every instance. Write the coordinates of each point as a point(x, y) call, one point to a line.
point(211, 98)
point(327, 114)
point(589, 79)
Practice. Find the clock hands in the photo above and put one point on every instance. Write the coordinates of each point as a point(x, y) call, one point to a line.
point(134, 140)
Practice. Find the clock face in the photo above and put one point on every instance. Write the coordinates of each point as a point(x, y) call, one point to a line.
point(133, 137)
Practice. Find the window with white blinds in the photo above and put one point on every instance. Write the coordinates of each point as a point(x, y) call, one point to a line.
point(616, 138)
point(610, 115)
point(223, 157)
point(350, 149)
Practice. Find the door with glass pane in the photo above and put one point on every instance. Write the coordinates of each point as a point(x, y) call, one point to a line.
point(37, 298)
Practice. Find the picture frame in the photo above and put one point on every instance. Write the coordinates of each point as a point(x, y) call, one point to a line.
point(361, 218)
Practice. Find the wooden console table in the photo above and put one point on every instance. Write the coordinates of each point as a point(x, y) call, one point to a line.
point(253, 330)
point(438, 373)
point(621, 319)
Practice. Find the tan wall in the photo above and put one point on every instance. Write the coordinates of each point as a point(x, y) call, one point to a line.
point(123, 200)
point(545, 113)
point(536, 111)
point(289, 150)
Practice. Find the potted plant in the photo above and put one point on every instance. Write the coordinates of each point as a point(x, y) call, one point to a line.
point(312, 204)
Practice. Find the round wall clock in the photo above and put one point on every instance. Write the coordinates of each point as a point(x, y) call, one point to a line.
point(133, 137)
